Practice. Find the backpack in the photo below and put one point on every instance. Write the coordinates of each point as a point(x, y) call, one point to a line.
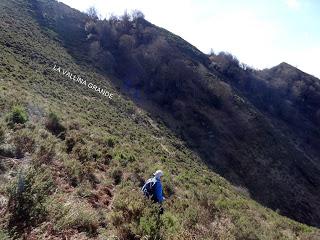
point(148, 187)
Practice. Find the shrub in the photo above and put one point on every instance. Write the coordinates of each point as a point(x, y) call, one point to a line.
point(43, 133)
point(128, 207)
point(23, 143)
point(26, 197)
point(169, 225)
point(117, 176)
point(106, 157)
point(137, 217)
point(191, 216)
point(17, 116)
point(7, 150)
point(71, 213)
point(155, 226)
point(4, 235)
point(70, 143)
point(124, 158)
point(149, 226)
point(2, 133)
point(95, 153)
point(45, 154)
point(83, 152)
point(168, 188)
point(84, 190)
point(110, 141)
point(74, 137)
point(75, 171)
point(54, 126)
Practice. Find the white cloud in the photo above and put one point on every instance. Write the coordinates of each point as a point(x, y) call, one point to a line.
point(293, 4)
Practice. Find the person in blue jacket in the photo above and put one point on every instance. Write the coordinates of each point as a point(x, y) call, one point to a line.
point(153, 188)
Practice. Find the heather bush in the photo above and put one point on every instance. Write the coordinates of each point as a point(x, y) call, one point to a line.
point(85, 153)
point(54, 125)
point(74, 137)
point(168, 187)
point(26, 197)
point(110, 141)
point(24, 142)
point(7, 150)
point(2, 133)
point(117, 176)
point(45, 154)
point(72, 213)
point(75, 171)
point(124, 158)
point(4, 235)
point(70, 143)
point(134, 216)
point(18, 115)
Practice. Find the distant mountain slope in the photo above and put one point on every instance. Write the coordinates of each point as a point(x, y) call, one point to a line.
point(290, 100)
point(72, 160)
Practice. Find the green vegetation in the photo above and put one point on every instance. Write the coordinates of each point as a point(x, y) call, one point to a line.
point(1, 134)
point(134, 216)
point(17, 115)
point(26, 198)
point(54, 126)
point(23, 143)
point(87, 157)
point(110, 141)
point(117, 176)
point(72, 214)
point(4, 235)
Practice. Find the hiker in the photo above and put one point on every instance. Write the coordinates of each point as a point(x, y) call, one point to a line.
point(153, 188)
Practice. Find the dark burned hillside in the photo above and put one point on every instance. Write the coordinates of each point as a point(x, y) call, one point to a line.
point(72, 162)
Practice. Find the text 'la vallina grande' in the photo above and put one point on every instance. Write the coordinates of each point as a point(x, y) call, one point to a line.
point(82, 81)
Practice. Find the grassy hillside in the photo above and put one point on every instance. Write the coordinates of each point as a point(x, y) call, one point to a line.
point(226, 125)
point(72, 161)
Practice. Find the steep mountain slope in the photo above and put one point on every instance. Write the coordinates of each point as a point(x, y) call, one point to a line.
point(290, 100)
point(175, 82)
point(72, 159)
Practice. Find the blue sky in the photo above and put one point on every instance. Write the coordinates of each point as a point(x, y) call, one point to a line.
point(261, 33)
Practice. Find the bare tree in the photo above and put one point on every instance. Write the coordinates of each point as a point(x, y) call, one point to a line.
point(212, 53)
point(113, 18)
point(136, 14)
point(126, 17)
point(93, 13)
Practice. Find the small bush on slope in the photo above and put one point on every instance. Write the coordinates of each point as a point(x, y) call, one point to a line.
point(4, 235)
point(44, 154)
point(72, 213)
point(54, 126)
point(17, 115)
point(1, 134)
point(110, 141)
point(136, 217)
point(24, 142)
point(26, 197)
